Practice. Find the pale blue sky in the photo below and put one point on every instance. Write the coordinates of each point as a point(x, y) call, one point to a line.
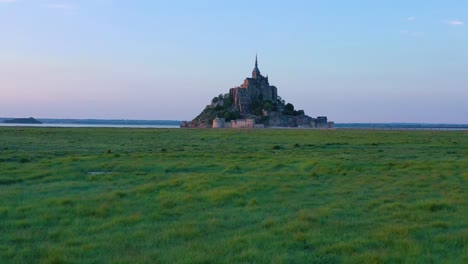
point(354, 61)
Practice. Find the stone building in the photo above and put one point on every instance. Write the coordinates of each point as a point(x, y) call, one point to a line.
point(255, 88)
point(219, 122)
point(322, 122)
point(243, 123)
point(239, 123)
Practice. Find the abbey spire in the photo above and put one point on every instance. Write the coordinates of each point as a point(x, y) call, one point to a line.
point(256, 71)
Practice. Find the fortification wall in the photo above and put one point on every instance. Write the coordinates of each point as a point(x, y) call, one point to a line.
point(243, 123)
point(219, 122)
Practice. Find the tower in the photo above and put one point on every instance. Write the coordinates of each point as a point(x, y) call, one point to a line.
point(256, 71)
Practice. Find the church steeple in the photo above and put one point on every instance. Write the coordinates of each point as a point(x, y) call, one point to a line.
point(256, 71)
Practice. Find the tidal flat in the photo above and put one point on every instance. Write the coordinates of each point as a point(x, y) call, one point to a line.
point(120, 195)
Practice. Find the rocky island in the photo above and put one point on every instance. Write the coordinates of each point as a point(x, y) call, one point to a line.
point(22, 121)
point(254, 104)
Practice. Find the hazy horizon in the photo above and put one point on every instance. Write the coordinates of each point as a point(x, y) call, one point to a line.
point(155, 60)
point(180, 120)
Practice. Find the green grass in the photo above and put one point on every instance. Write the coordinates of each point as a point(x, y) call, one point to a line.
point(202, 196)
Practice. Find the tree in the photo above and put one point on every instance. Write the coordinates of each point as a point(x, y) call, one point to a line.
point(256, 107)
point(280, 101)
point(289, 109)
point(228, 101)
point(299, 112)
point(268, 106)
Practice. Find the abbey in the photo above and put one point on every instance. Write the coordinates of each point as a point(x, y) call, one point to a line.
point(253, 89)
point(254, 104)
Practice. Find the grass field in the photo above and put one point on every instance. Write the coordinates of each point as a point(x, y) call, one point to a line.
point(79, 195)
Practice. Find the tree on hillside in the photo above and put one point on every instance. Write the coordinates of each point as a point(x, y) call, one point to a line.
point(288, 109)
point(268, 106)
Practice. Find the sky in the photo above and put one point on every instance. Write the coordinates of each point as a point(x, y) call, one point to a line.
point(353, 61)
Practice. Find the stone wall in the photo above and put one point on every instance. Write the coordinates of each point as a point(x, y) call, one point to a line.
point(243, 123)
point(277, 119)
point(219, 122)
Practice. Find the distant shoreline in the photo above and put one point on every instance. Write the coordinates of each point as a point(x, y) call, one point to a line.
point(100, 122)
point(29, 120)
point(50, 122)
point(394, 128)
point(63, 125)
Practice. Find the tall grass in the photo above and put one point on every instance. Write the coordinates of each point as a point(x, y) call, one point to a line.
point(195, 196)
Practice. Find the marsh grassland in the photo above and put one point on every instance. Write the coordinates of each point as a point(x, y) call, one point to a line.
point(199, 196)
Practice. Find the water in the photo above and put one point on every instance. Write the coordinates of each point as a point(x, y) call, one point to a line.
point(113, 123)
point(88, 125)
point(401, 126)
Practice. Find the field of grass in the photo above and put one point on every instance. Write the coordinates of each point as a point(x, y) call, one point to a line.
point(81, 195)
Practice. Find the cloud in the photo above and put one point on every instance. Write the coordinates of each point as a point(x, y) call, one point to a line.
point(455, 22)
point(411, 18)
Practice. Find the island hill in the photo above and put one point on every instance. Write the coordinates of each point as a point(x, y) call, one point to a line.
point(22, 121)
point(254, 104)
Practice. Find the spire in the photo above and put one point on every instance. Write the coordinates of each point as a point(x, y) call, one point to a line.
point(256, 71)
